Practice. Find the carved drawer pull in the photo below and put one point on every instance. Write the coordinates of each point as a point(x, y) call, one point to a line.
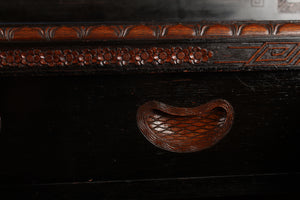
point(185, 130)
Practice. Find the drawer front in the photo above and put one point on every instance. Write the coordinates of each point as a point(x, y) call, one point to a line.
point(84, 128)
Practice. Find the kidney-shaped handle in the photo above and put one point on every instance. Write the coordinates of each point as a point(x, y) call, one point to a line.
point(185, 130)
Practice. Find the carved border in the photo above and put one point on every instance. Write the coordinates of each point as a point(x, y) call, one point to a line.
point(103, 56)
point(146, 32)
point(269, 54)
point(261, 54)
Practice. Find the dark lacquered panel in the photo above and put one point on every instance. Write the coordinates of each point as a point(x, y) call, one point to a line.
point(83, 128)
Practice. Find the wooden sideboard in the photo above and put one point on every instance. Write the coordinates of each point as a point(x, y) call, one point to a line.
point(149, 99)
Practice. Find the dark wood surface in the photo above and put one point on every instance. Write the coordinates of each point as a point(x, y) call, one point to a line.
point(74, 73)
point(69, 129)
point(223, 54)
point(252, 187)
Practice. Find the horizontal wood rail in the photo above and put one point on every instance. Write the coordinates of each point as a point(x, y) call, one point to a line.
point(146, 31)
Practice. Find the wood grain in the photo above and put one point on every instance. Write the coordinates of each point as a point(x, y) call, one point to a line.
point(146, 31)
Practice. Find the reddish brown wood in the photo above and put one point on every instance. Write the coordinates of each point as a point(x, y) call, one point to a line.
point(179, 31)
point(184, 130)
point(218, 30)
point(103, 32)
point(67, 33)
point(141, 32)
point(146, 31)
point(104, 56)
point(285, 54)
point(289, 29)
point(254, 29)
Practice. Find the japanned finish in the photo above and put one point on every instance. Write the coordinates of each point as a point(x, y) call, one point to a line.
point(74, 74)
point(55, 130)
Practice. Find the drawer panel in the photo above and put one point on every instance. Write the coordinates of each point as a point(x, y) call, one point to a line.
point(83, 128)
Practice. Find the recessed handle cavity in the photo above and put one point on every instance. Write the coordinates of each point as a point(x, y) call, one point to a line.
point(183, 130)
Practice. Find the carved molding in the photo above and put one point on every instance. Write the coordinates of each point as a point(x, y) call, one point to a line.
point(104, 56)
point(146, 32)
point(277, 54)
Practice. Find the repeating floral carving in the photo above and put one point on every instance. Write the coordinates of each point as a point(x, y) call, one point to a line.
point(144, 31)
point(104, 56)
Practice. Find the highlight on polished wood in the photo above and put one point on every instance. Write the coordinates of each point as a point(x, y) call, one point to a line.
point(141, 31)
point(185, 130)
